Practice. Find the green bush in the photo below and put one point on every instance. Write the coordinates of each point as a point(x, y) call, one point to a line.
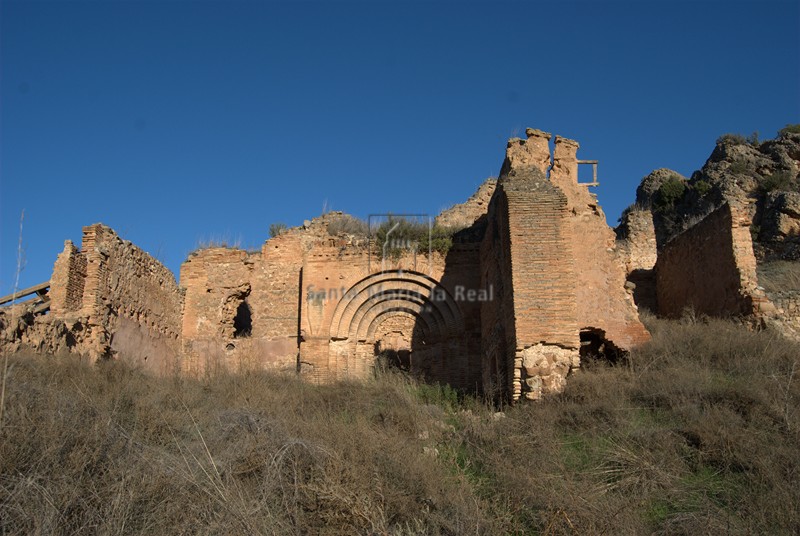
point(781, 180)
point(277, 229)
point(670, 192)
point(404, 235)
point(702, 187)
point(739, 166)
point(731, 139)
point(789, 129)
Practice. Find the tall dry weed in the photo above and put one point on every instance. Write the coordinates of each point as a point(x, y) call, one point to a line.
point(696, 433)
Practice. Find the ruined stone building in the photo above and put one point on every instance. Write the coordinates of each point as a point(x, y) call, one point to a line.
point(709, 251)
point(534, 278)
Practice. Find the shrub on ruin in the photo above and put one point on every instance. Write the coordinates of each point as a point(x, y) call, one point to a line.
point(404, 235)
point(440, 239)
point(397, 235)
point(277, 229)
point(348, 225)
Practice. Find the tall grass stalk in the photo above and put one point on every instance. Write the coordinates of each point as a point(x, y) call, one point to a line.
point(13, 299)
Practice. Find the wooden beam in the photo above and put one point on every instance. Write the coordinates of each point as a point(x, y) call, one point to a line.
point(24, 292)
point(42, 307)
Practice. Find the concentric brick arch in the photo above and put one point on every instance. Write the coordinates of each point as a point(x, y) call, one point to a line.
point(359, 314)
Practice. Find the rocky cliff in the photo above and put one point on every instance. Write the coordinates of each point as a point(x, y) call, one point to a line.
point(762, 176)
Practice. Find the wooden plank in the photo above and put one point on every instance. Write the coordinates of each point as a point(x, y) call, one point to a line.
point(42, 307)
point(24, 292)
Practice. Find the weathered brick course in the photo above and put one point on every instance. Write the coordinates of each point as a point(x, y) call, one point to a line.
point(710, 268)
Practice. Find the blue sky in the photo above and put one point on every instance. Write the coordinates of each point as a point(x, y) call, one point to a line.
point(181, 122)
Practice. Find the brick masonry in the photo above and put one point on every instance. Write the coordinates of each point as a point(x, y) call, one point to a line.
point(637, 244)
point(505, 311)
point(549, 248)
point(116, 301)
point(710, 268)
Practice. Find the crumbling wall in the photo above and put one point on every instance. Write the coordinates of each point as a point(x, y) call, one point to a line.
point(507, 307)
point(415, 307)
point(277, 292)
point(215, 280)
point(228, 321)
point(67, 281)
point(636, 242)
point(710, 268)
point(530, 338)
point(465, 214)
point(22, 330)
point(108, 299)
point(550, 248)
point(604, 304)
point(543, 278)
point(126, 286)
point(241, 307)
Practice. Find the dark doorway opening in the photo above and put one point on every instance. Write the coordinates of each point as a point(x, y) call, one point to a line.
point(595, 346)
point(243, 321)
point(398, 359)
point(390, 358)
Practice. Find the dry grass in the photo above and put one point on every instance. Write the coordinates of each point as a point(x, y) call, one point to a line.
point(698, 433)
point(779, 276)
point(348, 225)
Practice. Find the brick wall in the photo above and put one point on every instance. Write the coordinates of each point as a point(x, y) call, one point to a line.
point(605, 306)
point(526, 252)
point(354, 307)
point(710, 267)
point(550, 250)
point(465, 214)
point(67, 281)
point(117, 301)
point(514, 293)
point(219, 283)
point(637, 245)
point(498, 336)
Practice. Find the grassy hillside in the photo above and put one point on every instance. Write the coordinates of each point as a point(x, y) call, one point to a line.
point(698, 433)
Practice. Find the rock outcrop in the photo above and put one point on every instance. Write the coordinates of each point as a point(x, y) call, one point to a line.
point(715, 231)
point(762, 176)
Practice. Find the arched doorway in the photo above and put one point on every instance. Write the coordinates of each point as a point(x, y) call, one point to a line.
point(404, 317)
